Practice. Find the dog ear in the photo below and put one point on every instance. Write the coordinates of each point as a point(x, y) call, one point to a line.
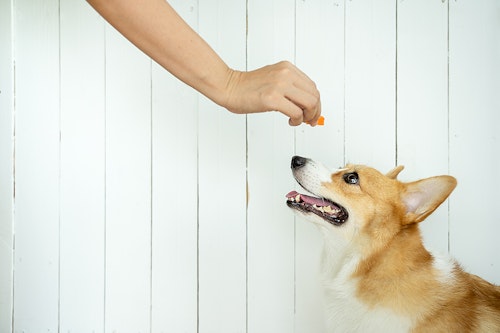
point(422, 197)
point(395, 172)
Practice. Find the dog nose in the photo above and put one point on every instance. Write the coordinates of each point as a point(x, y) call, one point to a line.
point(298, 162)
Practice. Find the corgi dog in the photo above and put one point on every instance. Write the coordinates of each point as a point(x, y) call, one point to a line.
point(377, 275)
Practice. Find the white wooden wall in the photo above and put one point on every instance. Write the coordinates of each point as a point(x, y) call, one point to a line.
point(129, 203)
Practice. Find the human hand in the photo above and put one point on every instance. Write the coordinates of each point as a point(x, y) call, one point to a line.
point(280, 87)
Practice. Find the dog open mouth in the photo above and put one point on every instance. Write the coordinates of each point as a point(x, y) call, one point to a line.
point(324, 208)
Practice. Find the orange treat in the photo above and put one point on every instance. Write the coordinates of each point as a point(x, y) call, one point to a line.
point(321, 121)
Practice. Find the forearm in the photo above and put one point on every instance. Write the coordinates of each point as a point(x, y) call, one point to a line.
point(155, 28)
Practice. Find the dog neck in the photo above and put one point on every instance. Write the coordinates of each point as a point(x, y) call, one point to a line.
point(339, 257)
point(403, 254)
point(401, 268)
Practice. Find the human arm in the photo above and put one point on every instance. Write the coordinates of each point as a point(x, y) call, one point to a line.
point(155, 28)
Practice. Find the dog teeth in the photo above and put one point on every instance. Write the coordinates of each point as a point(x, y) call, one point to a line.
point(327, 209)
point(318, 208)
point(295, 199)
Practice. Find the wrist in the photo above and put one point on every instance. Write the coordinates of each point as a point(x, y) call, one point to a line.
point(221, 90)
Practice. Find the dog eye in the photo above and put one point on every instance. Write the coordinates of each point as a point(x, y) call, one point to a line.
point(351, 178)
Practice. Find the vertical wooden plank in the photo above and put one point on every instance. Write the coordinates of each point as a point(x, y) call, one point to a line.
point(474, 130)
point(370, 82)
point(423, 101)
point(82, 169)
point(322, 23)
point(6, 165)
point(175, 197)
point(36, 263)
point(318, 23)
point(222, 182)
point(271, 38)
point(128, 186)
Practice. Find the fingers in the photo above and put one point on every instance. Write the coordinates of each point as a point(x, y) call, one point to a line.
point(297, 114)
point(291, 110)
point(303, 93)
point(309, 104)
point(317, 118)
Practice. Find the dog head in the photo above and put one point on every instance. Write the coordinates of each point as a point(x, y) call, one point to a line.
point(359, 205)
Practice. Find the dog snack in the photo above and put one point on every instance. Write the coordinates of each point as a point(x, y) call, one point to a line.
point(321, 121)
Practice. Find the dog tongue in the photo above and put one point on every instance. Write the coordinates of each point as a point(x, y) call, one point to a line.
point(308, 199)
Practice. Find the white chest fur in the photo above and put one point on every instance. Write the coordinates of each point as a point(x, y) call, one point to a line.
point(345, 313)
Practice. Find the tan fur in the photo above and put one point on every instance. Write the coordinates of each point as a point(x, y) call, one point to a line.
point(395, 271)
